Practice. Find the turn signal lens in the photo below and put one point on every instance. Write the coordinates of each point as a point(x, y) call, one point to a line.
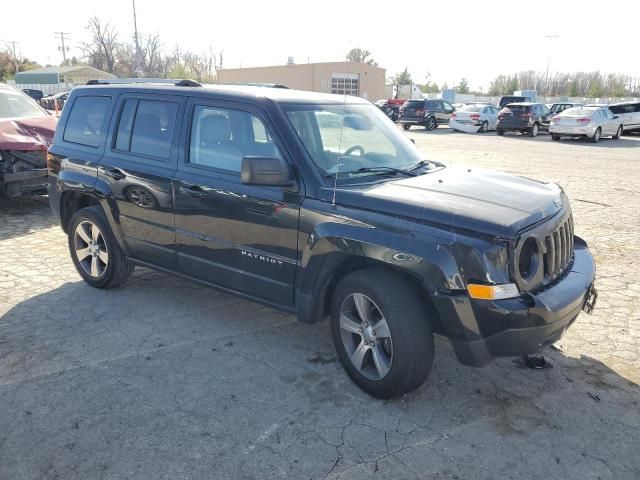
point(492, 292)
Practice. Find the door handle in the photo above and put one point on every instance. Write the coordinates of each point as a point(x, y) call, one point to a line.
point(114, 173)
point(193, 190)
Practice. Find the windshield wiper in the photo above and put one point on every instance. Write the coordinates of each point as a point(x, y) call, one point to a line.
point(424, 163)
point(381, 169)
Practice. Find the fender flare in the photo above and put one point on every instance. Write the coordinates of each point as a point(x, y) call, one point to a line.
point(334, 249)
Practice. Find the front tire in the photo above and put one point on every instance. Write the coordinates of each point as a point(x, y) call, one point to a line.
point(555, 138)
point(500, 132)
point(406, 126)
point(533, 131)
point(432, 124)
point(94, 250)
point(381, 333)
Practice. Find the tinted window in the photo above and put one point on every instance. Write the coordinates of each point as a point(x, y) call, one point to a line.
point(514, 107)
point(152, 131)
point(86, 120)
point(123, 137)
point(221, 137)
point(416, 104)
point(432, 105)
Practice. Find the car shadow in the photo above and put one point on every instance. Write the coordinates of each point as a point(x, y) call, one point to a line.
point(165, 348)
point(19, 216)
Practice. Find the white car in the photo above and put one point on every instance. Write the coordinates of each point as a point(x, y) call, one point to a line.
point(474, 118)
point(590, 122)
point(629, 113)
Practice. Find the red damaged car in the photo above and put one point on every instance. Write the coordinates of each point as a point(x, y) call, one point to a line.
point(26, 131)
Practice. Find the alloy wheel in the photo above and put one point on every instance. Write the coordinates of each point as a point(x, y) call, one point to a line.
point(90, 249)
point(365, 336)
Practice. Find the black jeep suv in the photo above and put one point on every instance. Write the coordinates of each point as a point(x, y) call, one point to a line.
point(523, 117)
point(427, 113)
point(319, 206)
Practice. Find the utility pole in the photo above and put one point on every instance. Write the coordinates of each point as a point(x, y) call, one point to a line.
point(62, 47)
point(546, 78)
point(15, 58)
point(138, 62)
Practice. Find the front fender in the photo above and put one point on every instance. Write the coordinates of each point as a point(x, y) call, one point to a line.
point(333, 246)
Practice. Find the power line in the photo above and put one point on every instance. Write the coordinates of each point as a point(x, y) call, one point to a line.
point(62, 47)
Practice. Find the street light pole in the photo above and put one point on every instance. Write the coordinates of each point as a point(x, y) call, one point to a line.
point(546, 78)
point(135, 34)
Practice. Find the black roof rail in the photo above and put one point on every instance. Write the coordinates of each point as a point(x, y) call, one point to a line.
point(120, 81)
point(188, 83)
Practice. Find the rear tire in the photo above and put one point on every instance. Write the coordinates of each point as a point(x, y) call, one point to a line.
point(618, 133)
point(390, 342)
point(406, 126)
point(485, 127)
point(94, 250)
point(555, 138)
point(596, 136)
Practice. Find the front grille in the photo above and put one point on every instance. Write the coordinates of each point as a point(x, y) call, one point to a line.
point(559, 250)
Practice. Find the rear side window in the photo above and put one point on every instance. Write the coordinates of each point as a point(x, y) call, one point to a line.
point(417, 104)
point(146, 127)
point(86, 121)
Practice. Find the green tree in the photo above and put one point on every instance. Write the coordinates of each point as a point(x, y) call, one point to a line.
point(402, 78)
point(574, 90)
point(360, 55)
point(596, 90)
point(513, 85)
point(429, 86)
point(463, 86)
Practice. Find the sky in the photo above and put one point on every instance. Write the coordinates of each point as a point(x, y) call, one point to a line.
point(448, 39)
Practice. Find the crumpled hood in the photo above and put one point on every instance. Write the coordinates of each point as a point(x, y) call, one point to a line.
point(27, 133)
point(483, 201)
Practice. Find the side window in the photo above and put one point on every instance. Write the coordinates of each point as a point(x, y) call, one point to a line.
point(153, 128)
point(86, 121)
point(220, 137)
point(125, 124)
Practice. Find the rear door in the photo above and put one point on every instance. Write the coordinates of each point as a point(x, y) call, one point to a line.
point(138, 164)
point(544, 115)
point(445, 113)
point(610, 124)
point(241, 237)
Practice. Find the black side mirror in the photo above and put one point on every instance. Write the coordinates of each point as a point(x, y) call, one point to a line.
point(615, 117)
point(413, 141)
point(266, 171)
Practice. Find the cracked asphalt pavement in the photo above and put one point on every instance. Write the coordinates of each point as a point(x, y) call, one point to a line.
point(168, 379)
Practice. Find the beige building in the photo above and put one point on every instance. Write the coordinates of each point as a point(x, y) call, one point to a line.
point(352, 78)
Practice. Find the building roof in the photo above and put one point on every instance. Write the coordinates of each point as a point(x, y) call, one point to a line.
point(54, 75)
point(302, 65)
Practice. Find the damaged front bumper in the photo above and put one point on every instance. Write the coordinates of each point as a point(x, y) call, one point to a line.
point(23, 173)
point(513, 327)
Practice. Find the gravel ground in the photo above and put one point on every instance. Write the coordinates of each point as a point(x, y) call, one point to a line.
point(168, 379)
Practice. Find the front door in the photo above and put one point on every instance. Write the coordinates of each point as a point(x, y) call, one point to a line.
point(240, 237)
point(138, 165)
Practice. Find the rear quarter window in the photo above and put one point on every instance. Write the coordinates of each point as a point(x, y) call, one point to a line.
point(86, 122)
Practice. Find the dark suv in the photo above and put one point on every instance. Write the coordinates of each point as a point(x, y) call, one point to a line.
point(428, 113)
point(320, 207)
point(523, 117)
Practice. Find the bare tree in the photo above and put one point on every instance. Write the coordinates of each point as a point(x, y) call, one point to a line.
point(102, 50)
point(360, 55)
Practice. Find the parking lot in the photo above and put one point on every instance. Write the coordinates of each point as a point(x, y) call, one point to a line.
point(168, 379)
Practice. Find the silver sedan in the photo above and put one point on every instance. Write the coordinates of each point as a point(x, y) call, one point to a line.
point(592, 122)
point(474, 118)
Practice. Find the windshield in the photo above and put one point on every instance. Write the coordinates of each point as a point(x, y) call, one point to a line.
point(14, 104)
point(344, 139)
